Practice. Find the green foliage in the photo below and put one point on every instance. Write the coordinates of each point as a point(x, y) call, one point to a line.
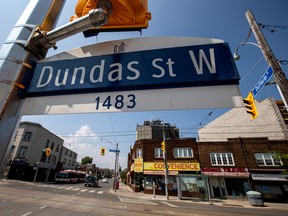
point(86, 160)
point(123, 175)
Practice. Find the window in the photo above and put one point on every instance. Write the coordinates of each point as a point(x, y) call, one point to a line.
point(183, 153)
point(28, 136)
point(266, 159)
point(52, 146)
point(23, 152)
point(224, 159)
point(139, 153)
point(47, 143)
point(158, 153)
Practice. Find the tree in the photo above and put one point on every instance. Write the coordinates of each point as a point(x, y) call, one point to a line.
point(86, 160)
point(123, 175)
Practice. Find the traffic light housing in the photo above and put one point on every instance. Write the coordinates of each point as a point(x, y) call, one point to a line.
point(163, 146)
point(250, 105)
point(125, 15)
point(47, 152)
point(102, 151)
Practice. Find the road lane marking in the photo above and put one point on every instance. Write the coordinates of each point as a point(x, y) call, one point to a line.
point(42, 207)
point(133, 200)
point(100, 192)
point(83, 190)
point(68, 188)
point(76, 189)
point(91, 191)
point(27, 214)
point(169, 204)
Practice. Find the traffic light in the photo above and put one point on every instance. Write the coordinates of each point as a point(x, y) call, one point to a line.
point(125, 15)
point(48, 152)
point(102, 151)
point(163, 146)
point(250, 104)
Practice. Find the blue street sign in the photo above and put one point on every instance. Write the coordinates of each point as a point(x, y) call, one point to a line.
point(263, 80)
point(114, 150)
point(176, 67)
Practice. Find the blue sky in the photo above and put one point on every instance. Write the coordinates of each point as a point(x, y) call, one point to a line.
point(221, 19)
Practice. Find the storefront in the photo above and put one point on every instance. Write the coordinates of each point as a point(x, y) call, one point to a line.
point(184, 179)
point(273, 187)
point(227, 182)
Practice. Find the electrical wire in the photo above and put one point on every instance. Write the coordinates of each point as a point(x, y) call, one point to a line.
point(242, 79)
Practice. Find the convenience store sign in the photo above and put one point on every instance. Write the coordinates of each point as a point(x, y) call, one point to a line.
point(172, 166)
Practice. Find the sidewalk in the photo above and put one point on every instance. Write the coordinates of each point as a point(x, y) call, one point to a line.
point(126, 191)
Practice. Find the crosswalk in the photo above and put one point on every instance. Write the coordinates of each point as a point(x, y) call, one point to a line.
point(71, 188)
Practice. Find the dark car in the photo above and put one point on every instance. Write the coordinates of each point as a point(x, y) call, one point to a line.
point(90, 181)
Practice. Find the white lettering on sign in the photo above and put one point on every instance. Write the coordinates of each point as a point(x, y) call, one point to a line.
point(199, 67)
point(162, 70)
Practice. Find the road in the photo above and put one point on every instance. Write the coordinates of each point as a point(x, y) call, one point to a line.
point(25, 198)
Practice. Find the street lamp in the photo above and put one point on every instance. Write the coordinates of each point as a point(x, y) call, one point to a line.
point(236, 56)
point(279, 75)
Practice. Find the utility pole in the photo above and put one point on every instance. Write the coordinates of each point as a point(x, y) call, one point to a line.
point(165, 166)
point(279, 75)
point(116, 167)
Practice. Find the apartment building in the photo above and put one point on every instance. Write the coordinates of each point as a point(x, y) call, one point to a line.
point(28, 153)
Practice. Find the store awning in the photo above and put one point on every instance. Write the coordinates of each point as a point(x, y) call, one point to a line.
point(269, 177)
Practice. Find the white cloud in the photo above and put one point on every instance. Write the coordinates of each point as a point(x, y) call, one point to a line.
point(85, 142)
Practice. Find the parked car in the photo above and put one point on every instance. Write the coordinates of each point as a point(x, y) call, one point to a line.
point(90, 181)
point(105, 180)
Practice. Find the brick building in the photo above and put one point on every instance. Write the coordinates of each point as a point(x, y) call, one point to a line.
point(243, 164)
point(226, 169)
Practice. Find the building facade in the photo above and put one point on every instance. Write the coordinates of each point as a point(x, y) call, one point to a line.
point(28, 153)
point(271, 122)
point(154, 129)
point(146, 168)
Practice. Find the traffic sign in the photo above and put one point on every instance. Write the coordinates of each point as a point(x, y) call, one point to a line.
point(114, 150)
point(137, 74)
point(263, 80)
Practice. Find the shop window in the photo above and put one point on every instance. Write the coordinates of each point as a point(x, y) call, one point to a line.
point(158, 153)
point(223, 159)
point(183, 152)
point(27, 136)
point(266, 159)
point(139, 153)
